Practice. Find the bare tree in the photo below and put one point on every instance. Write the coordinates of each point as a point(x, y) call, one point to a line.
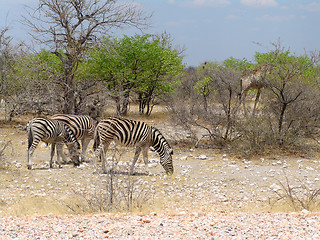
point(75, 25)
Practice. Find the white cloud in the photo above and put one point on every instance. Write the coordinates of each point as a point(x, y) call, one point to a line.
point(270, 18)
point(207, 3)
point(311, 7)
point(259, 3)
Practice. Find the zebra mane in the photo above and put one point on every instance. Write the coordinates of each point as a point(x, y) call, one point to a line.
point(158, 135)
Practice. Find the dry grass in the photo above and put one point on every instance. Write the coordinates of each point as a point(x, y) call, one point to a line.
point(118, 191)
point(298, 195)
point(213, 184)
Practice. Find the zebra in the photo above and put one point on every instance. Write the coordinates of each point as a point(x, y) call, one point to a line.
point(82, 127)
point(49, 131)
point(132, 133)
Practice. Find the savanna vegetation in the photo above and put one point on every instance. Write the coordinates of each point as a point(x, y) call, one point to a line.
point(84, 69)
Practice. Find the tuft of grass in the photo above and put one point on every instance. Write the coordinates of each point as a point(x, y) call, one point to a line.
point(117, 191)
point(298, 197)
point(3, 145)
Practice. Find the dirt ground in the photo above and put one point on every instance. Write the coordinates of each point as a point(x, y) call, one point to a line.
point(205, 180)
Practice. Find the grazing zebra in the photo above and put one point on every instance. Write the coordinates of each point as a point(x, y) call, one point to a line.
point(82, 127)
point(132, 133)
point(49, 131)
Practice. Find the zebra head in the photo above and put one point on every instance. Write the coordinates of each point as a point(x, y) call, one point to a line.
point(162, 147)
point(73, 145)
point(166, 161)
point(74, 154)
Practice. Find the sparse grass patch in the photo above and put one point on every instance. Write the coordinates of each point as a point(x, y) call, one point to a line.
point(3, 145)
point(116, 192)
point(298, 196)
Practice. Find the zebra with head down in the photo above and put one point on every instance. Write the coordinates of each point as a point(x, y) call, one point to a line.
point(50, 131)
point(132, 133)
point(82, 127)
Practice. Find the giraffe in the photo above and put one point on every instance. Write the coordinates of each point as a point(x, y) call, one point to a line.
point(255, 79)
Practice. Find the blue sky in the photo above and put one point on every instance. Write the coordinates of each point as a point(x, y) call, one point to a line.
point(214, 30)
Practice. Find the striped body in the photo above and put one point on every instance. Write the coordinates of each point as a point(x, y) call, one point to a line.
point(82, 127)
point(132, 133)
point(48, 131)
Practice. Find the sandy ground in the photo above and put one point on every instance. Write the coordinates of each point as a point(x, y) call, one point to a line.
point(205, 180)
point(211, 195)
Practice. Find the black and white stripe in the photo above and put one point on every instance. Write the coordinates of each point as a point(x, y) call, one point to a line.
point(132, 133)
point(49, 131)
point(82, 127)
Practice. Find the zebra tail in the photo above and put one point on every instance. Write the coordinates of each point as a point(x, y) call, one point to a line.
point(96, 139)
point(30, 136)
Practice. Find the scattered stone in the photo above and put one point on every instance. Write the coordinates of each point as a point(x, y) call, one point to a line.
point(202, 157)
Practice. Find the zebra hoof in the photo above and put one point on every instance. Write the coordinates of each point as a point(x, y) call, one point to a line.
point(29, 167)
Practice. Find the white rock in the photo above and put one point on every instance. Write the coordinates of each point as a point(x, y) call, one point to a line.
point(43, 145)
point(18, 165)
point(202, 157)
point(275, 187)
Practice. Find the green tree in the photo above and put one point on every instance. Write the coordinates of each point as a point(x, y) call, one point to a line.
point(73, 27)
point(161, 65)
point(290, 84)
point(241, 65)
point(137, 64)
point(32, 86)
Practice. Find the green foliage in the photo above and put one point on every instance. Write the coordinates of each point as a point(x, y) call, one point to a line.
point(139, 60)
point(241, 65)
point(291, 82)
point(140, 64)
point(203, 86)
point(39, 66)
point(287, 61)
point(205, 73)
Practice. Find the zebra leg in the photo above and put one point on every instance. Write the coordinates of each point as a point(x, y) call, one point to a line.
point(104, 148)
point(97, 156)
point(30, 153)
point(53, 145)
point(84, 144)
point(100, 154)
point(135, 158)
point(145, 158)
point(60, 152)
point(33, 145)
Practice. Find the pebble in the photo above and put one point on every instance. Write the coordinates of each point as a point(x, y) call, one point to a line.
point(202, 157)
point(181, 225)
